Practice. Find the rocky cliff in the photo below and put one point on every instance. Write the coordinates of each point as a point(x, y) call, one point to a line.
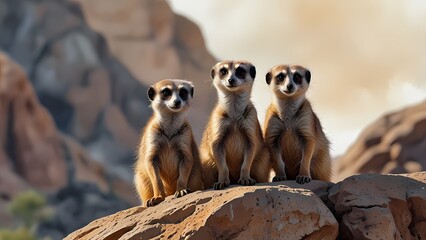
point(35, 154)
point(370, 206)
point(395, 143)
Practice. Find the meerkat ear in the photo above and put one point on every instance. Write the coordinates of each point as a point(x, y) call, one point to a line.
point(308, 76)
point(151, 93)
point(252, 72)
point(192, 92)
point(268, 78)
point(212, 73)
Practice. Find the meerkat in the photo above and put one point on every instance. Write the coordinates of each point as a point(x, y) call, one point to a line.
point(297, 144)
point(232, 148)
point(168, 159)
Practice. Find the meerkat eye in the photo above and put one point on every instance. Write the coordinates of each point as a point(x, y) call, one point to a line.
point(297, 78)
point(183, 93)
point(240, 73)
point(223, 71)
point(280, 77)
point(166, 92)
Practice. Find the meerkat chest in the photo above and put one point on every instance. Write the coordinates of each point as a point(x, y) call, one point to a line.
point(235, 141)
point(169, 154)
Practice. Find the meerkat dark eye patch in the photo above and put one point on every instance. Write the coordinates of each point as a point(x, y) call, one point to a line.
point(280, 77)
point(252, 72)
point(222, 72)
point(166, 92)
point(183, 94)
point(151, 93)
point(297, 78)
point(308, 76)
point(240, 73)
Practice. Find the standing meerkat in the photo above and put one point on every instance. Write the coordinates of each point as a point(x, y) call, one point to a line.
point(168, 161)
point(297, 144)
point(232, 148)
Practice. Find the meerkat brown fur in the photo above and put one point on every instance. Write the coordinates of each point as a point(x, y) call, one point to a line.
point(232, 149)
point(297, 144)
point(168, 160)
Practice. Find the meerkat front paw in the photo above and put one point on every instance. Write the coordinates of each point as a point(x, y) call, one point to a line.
point(220, 185)
point(246, 181)
point(279, 178)
point(182, 192)
point(154, 201)
point(301, 179)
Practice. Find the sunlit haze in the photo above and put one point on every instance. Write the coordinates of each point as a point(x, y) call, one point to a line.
point(366, 57)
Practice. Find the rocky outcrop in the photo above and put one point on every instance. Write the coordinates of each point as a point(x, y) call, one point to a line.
point(370, 206)
point(264, 211)
point(36, 155)
point(395, 143)
point(374, 206)
point(29, 141)
point(90, 94)
point(154, 43)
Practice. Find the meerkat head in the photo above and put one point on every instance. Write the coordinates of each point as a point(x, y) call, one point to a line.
point(288, 81)
point(233, 76)
point(171, 95)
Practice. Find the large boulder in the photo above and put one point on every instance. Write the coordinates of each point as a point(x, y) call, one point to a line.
point(265, 211)
point(367, 206)
point(375, 206)
point(395, 143)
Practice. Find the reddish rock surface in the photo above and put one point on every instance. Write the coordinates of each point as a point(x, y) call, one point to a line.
point(34, 154)
point(395, 143)
point(375, 206)
point(28, 133)
point(265, 211)
point(368, 206)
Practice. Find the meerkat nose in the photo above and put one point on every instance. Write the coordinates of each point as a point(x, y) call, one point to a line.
point(231, 81)
point(290, 87)
point(177, 102)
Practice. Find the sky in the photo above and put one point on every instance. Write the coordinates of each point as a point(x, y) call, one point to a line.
point(367, 58)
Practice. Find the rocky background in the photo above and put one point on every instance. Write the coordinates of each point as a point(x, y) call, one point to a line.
point(73, 81)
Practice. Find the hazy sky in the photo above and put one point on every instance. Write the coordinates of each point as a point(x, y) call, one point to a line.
point(366, 57)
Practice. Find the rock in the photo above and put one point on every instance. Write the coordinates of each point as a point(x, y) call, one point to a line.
point(395, 143)
point(34, 154)
point(264, 211)
point(375, 206)
point(75, 76)
point(367, 206)
point(29, 133)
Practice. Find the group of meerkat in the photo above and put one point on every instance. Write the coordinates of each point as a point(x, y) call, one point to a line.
point(234, 149)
